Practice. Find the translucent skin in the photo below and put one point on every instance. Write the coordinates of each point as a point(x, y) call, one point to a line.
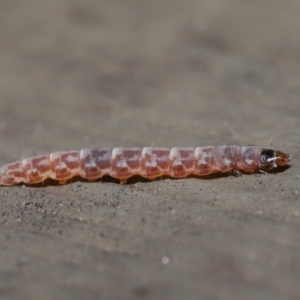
point(148, 162)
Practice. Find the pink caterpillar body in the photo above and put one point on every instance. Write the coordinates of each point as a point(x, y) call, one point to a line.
point(148, 162)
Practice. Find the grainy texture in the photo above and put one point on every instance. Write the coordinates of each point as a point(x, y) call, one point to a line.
point(77, 74)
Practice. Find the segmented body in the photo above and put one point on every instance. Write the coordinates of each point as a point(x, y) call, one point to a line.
point(122, 163)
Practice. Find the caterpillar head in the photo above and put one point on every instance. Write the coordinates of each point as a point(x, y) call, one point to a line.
point(272, 158)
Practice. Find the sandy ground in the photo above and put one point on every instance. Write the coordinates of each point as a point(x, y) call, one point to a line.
point(78, 74)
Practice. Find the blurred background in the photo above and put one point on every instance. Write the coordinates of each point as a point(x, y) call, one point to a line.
point(75, 74)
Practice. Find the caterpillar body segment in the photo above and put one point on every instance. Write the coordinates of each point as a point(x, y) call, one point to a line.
point(148, 162)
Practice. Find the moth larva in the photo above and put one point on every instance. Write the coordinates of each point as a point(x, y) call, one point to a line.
point(148, 162)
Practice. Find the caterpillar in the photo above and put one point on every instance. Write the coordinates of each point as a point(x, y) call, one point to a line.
point(148, 162)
